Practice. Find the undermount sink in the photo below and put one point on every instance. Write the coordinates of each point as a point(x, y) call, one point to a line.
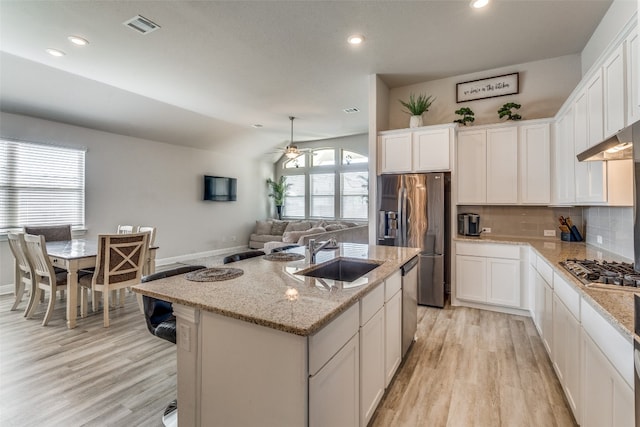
point(342, 269)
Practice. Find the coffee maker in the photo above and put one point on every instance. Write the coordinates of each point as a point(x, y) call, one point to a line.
point(469, 224)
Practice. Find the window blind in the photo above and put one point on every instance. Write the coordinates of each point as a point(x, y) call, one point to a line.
point(40, 185)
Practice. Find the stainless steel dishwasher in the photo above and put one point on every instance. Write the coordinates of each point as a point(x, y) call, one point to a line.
point(409, 303)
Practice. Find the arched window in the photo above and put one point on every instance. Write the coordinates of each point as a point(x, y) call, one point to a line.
point(322, 187)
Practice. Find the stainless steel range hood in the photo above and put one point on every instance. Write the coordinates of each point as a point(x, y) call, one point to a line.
point(617, 147)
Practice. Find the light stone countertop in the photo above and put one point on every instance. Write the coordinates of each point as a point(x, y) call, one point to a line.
point(615, 306)
point(258, 296)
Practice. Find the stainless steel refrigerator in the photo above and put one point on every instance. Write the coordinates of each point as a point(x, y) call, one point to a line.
point(413, 211)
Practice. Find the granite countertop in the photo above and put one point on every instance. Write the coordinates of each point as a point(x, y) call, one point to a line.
point(616, 306)
point(269, 293)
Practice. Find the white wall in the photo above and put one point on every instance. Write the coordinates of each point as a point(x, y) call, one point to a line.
point(619, 13)
point(544, 86)
point(142, 182)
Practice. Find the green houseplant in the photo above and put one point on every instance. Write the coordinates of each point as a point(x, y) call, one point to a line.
point(416, 107)
point(505, 110)
point(467, 116)
point(278, 192)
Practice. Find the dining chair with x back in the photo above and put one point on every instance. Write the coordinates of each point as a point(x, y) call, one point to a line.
point(119, 264)
point(51, 233)
point(125, 229)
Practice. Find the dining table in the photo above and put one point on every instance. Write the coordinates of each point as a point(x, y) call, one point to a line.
point(77, 254)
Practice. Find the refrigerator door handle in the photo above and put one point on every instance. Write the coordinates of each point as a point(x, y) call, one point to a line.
point(400, 221)
point(405, 241)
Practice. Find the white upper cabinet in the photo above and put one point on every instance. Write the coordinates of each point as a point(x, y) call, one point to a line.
point(395, 152)
point(564, 184)
point(502, 165)
point(535, 168)
point(431, 150)
point(426, 149)
point(632, 48)
point(595, 112)
point(613, 71)
point(472, 166)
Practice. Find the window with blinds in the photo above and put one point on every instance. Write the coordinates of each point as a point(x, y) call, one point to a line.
point(40, 185)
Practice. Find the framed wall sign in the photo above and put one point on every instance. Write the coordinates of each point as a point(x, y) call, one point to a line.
point(491, 87)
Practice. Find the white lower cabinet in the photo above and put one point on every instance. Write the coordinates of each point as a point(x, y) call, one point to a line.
point(372, 352)
point(393, 336)
point(334, 391)
point(544, 310)
point(488, 273)
point(566, 342)
point(372, 369)
point(608, 401)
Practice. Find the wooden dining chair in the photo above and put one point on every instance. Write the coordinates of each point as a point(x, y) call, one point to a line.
point(45, 278)
point(23, 269)
point(125, 229)
point(151, 231)
point(119, 265)
point(51, 233)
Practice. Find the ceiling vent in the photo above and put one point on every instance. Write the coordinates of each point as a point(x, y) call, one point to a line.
point(351, 110)
point(141, 24)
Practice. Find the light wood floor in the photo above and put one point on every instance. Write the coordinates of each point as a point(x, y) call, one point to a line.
point(468, 368)
point(473, 367)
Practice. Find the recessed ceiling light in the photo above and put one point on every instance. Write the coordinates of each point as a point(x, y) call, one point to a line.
point(55, 52)
point(351, 110)
point(257, 126)
point(78, 40)
point(478, 4)
point(355, 39)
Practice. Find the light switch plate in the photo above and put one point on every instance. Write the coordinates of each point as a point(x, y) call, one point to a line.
point(549, 233)
point(599, 239)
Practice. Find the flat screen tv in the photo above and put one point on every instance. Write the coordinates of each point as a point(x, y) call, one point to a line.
point(220, 188)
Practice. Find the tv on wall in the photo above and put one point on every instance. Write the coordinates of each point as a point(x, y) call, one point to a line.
point(220, 188)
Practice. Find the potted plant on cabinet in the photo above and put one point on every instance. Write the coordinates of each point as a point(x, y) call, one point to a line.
point(416, 107)
point(505, 110)
point(278, 192)
point(467, 116)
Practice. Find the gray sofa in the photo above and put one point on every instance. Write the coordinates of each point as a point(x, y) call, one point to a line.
point(300, 231)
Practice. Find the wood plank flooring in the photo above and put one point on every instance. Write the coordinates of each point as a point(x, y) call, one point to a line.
point(468, 368)
point(472, 367)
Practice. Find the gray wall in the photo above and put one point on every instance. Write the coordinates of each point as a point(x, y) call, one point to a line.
point(142, 182)
point(544, 86)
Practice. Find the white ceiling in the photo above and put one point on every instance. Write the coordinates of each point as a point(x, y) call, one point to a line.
point(214, 68)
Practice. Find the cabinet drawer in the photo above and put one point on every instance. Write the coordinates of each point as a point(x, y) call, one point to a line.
point(392, 285)
point(489, 250)
point(328, 340)
point(371, 303)
point(567, 294)
point(612, 343)
point(545, 270)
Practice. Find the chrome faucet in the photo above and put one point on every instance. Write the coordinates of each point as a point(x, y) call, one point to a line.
point(313, 250)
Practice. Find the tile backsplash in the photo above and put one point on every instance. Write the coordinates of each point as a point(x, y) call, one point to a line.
point(614, 225)
point(525, 221)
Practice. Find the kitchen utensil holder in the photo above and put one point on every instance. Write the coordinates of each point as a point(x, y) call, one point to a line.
point(574, 236)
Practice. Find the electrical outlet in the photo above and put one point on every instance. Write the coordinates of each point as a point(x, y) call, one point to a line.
point(486, 230)
point(599, 239)
point(549, 233)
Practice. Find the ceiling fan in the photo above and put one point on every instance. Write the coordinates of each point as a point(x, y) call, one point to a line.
point(292, 151)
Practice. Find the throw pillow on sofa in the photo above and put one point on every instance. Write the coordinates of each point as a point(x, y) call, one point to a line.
point(278, 227)
point(294, 236)
point(298, 226)
point(335, 227)
point(263, 227)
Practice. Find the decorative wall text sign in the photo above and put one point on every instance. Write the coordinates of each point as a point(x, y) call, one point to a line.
point(487, 88)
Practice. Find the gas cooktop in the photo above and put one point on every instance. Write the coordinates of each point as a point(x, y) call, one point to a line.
point(603, 274)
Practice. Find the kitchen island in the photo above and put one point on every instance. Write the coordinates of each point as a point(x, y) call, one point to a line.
point(272, 347)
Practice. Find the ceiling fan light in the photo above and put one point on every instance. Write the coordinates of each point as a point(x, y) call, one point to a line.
point(291, 154)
